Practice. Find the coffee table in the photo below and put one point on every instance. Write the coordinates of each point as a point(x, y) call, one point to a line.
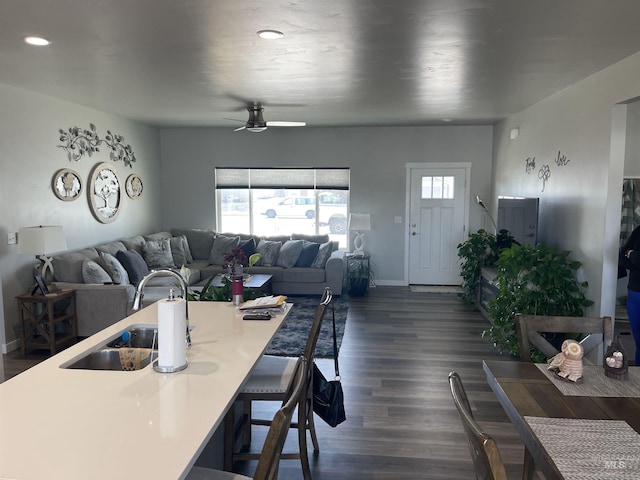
point(259, 282)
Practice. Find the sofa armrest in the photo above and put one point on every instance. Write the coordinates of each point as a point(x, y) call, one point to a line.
point(334, 272)
point(99, 306)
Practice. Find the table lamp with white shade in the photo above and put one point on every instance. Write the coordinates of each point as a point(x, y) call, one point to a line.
point(41, 241)
point(359, 223)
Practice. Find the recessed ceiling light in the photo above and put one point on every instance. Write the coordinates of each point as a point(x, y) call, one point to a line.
point(39, 41)
point(446, 120)
point(270, 34)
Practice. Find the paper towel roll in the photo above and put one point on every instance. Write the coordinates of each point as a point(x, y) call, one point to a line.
point(172, 327)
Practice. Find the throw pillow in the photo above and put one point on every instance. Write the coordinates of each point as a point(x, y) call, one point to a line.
point(319, 239)
point(134, 264)
point(324, 252)
point(289, 253)
point(157, 254)
point(269, 251)
point(308, 254)
point(114, 268)
point(248, 247)
point(187, 249)
point(222, 245)
point(178, 251)
point(94, 273)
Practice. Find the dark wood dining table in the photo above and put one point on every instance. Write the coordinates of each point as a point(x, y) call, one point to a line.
point(523, 390)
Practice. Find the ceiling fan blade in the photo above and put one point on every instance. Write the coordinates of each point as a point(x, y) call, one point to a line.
point(240, 128)
point(286, 124)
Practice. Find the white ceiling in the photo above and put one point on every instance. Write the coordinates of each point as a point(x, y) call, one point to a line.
point(341, 62)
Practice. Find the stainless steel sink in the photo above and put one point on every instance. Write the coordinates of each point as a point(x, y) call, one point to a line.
point(107, 359)
point(140, 337)
point(114, 353)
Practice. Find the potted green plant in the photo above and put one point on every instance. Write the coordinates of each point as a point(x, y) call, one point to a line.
point(536, 280)
point(359, 275)
point(480, 250)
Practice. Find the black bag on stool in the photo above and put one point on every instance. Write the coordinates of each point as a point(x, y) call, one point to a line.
point(328, 398)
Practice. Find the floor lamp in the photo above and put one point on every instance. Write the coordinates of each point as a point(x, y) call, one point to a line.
point(40, 241)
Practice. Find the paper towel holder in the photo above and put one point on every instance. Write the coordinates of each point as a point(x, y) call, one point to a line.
point(160, 369)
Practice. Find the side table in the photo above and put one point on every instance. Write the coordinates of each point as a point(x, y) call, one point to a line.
point(47, 321)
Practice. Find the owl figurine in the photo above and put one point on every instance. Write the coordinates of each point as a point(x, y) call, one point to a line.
point(568, 363)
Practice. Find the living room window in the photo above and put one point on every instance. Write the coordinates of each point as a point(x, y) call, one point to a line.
point(282, 201)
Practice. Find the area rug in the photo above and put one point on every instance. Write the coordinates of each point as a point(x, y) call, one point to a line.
point(436, 289)
point(292, 336)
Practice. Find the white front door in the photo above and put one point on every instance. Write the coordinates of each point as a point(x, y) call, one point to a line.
point(438, 204)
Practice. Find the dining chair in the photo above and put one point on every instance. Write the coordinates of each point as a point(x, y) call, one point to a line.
point(487, 461)
point(268, 382)
point(269, 458)
point(595, 332)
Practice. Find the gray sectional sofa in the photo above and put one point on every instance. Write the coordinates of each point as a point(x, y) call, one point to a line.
point(105, 276)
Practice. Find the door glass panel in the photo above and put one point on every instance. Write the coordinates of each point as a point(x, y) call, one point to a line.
point(447, 187)
point(427, 184)
point(437, 187)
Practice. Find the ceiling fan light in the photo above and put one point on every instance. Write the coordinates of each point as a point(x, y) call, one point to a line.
point(270, 34)
point(256, 129)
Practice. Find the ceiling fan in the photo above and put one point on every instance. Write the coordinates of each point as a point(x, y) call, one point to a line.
point(257, 123)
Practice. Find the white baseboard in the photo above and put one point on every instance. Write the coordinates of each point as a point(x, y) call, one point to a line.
point(391, 283)
point(10, 347)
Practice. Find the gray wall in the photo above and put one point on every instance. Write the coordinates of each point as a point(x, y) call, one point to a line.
point(580, 205)
point(29, 157)
point(376, 156)
point(632, 150)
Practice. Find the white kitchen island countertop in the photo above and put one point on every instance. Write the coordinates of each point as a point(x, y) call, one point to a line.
point(58, 423)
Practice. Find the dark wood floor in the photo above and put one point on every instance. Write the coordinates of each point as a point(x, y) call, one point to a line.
point(397, 351)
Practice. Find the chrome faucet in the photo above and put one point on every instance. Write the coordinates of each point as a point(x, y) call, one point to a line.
point(164, 272)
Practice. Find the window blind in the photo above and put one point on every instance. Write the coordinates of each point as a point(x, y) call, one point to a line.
point(326, 178)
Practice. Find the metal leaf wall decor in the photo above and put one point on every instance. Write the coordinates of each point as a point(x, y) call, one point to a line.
point(78, 143)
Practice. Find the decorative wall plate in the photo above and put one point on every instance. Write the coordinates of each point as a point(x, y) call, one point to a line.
point(133, 186)
point(105, 193)
point(66, 185)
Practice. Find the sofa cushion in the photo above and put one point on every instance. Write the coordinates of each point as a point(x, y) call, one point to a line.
point(133, 243)
point(157, 254)
point(275, 272)
point(94, 273)
point(269, 251)
point(111, 248)
point(222, 245)
point(289, 253)
point(134, 264)
point(324, 252)
point(303, 275)
point(180, 251)
point(248, 246)
point(158, 236)
point(319, 239)
point(114, 268)
point(67, 267)
point(200, 241)
point(276, 238)
point(308, 254)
